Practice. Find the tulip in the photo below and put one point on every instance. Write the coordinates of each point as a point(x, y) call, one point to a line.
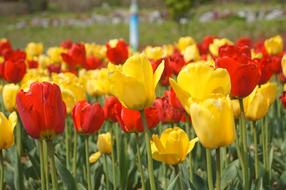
point(71, 88)
point(87, 118)
point(75, 57)
point(283, 99)
point(236, 108)
point(185, 42)
point(55, 54)
point(9, 96)
point(243, 73)
point(274, 45)
point(213, 122)
point(104, 146)
point(172, 147)
point(135, 84)
point(204, 45)
point(42, 110)
point(208, 82)
point(5, 47)
point(191, 53)
point(154, 53)
point(257, 104)
point(7, 130)
point(112, 108)
point(33, 75)
point(34, 49)
point(14, 67)
point(130, 120)
point(117, 51)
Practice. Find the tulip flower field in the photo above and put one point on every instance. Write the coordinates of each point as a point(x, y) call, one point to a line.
point(192, 115)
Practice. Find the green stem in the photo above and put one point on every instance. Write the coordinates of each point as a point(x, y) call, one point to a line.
point(149, 155)
point(255, 149)
point(177, 170)
point(74, 154)
point(244, 152)
point(218, 169)
point(209, 169)
point(2, 171)
point(67, 143)
point(45, 159)
point(265, 150)
point(51, 154)
point(20, 183)
point(113, 162)
point(41, 152)
point(87, 163)
point(106, 173)
point(118, 151)
point(140, 163)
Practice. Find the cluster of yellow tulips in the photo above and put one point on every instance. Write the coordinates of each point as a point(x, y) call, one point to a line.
point(155, 118)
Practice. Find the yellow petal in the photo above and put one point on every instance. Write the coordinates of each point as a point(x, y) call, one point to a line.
point(283, 64)
point(94, 157)
point(158, 73)
point(7, 130)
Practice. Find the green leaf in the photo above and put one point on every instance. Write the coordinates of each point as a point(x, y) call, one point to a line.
point(66, 176)
point(173, 183)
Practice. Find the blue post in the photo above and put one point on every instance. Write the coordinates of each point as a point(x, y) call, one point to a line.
point(133, 26)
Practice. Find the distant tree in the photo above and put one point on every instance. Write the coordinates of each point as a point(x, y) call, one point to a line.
point(178, 8)
point(37, 5)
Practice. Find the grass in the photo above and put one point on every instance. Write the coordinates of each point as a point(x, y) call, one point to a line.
point(150, 33)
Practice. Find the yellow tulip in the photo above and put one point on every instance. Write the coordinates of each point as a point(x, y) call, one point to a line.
point(104, 143)
point(257, 104)
point(135, 84)
point(274, 45)
point(54, 54)
point(283, 64)
point(172, 147)
point(236, 108)
point(185, 42)
point(9, 96)
point(95, 50)
point(71, 88)
point(217, 43)
point(104, 146)
point(7, 130)
point(34, 49)
point(198, 81)
point(213, 122)
point(154, 53)
point(191, 53)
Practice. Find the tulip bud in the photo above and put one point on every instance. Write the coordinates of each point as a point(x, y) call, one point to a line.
point(274, 45)
point(104, 143)
point(9, 96)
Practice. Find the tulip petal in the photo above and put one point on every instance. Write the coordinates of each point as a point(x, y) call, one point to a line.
point(94, 157)
point(182, 95)
point(158, 73)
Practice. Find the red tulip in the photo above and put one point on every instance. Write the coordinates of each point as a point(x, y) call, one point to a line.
point(112, 108)
point(130, 120)
point(54, 68)
point(5, 47)
point(67, 44)
point(75, 57)
point(176, 62)
point(117, 54)
point(87, 118)
point(244, 41)
point(283, 99)
point(42, 110)
point(14, 68)
point(33, 64)
point(244, 74)
point(204, 45)
point(169, 110)
point(265, 69)
point(93, 63)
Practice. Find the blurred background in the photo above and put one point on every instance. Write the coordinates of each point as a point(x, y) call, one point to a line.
point(161, 21)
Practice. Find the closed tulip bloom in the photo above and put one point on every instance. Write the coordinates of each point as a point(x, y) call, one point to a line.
point(135, 84)
point(257, 104)
point(7, 130)
point(213, 122)
point(117, 51)
point(71, 87)
point(104, 146)
point(34, 49)
point(191, 53)
point(274, 45)
point(42, 110)
point(172, 147)
point(9, 96)
point(112, 108)
point(104, 143)
point(198, 81)
point(75, 57)
point(87, 118)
